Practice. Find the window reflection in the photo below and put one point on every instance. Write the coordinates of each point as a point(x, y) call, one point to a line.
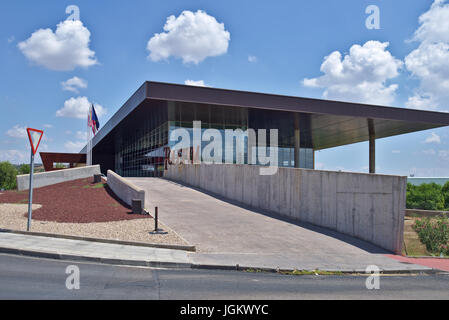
point(141, 138)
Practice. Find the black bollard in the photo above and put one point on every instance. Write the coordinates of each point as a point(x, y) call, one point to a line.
point(136, 206)
point(97, 178)
point(156, 216)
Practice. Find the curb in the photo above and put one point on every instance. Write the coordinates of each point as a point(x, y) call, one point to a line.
point(426, 257)
point(342, 272)
point(183, 265)
point(110, 241)
point(111, 261)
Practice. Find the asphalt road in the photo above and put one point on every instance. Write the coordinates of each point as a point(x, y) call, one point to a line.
point(32, 278)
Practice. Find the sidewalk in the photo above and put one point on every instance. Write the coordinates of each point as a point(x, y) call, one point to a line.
point(435, 263)
point(79, 250)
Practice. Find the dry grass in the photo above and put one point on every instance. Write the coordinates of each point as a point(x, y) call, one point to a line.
point(413, 246)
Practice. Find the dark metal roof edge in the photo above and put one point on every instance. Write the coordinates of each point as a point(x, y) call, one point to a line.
point(132, 103)
point(158, 90)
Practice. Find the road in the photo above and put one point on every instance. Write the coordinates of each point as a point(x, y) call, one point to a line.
point(32, 278)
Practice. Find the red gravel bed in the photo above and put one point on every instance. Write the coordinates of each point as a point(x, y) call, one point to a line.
point(78, 201)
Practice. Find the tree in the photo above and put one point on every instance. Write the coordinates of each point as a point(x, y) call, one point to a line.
point(427, 196)
point(8, 175)
point(445, 191)
point(24, 169)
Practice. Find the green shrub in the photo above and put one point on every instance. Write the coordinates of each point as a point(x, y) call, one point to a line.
point(8, 175)
point(434, 234)
point(24, 169)
point(427, 196)
point(445, 191)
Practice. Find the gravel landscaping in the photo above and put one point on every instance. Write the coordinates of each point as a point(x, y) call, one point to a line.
point(78, 201)
point(13, 217)
point(80, 208)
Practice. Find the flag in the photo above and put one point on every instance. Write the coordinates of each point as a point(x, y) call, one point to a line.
point(92, 120)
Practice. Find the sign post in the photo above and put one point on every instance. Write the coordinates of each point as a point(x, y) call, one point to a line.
point(35, 137)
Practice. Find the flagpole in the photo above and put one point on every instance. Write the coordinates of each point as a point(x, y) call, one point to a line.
point(90, 147)
point(90, 134)
point(88, 161)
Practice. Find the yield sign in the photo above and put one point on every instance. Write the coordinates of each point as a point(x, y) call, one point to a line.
point(35, 137)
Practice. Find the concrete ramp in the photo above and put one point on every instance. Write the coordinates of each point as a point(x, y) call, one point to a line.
point(235, 234)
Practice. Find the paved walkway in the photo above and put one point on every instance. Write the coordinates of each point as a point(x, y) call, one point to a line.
point(91, 251)
point(434, 263)
point(228, 234)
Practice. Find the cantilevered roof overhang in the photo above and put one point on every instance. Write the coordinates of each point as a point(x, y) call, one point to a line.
point(333, 123)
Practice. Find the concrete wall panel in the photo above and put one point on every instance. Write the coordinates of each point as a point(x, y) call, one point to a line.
point(329, 200)
point(295, 194)
point(284, 192)
point(54, 177)
point(124, 189)
point(369, 207)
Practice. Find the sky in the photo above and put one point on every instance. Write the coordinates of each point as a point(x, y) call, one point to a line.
point(55, 62)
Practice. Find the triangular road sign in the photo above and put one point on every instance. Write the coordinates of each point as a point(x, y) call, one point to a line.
point(35, 137)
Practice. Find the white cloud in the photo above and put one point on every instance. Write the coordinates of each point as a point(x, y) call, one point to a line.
point(13, 156)
point(419, 101)
point(444, 155)
point(74, 84)
point(62, 50)
point(396, 151)
point(48, 126)
point(11, 39)
point(191, 36)
point(429, 152)
point(199, 83)
point(78, 108)
point(434, 138)
point(360, 76)
point(17, 132)
point(43, 147)
point(82, 135)
point(74, 147)
point(252, 59)
point(434, 23)
point(429, 63)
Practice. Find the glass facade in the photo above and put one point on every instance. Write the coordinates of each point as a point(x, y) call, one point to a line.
point(142, 138)
point(139, 141)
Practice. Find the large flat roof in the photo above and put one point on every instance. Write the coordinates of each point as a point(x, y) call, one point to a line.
point(333, 123)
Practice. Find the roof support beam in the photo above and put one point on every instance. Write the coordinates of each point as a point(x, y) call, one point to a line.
point(372, 146)
point(297, 140)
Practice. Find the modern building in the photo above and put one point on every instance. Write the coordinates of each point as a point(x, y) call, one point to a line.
point(134, 141)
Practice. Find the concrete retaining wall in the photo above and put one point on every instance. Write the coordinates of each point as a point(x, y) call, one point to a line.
point(124, 189)
point(53, 177)
point(369, 207)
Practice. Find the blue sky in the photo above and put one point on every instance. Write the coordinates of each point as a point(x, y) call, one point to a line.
point(272, 47)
